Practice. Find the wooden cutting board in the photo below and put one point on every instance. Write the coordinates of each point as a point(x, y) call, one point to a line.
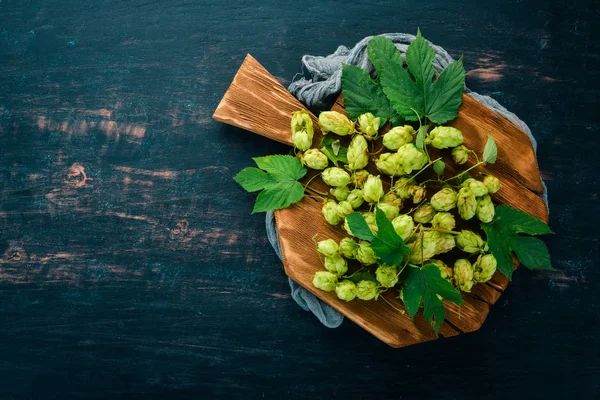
point(256, 102)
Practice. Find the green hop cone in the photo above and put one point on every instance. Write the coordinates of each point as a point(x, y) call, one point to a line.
point(418, 193)
point(466, 203)
point(340, 193)
point(302, 130)
point(344, 208)
point(390, 164)
point(463, 275)
point(338, 123)
point(345, 290)
point(355, 198)
point(478, 188)
point(485, 209)
point(428, 244)
point(491, 183)
point(359, 178)
point(373, 189)
point(330, 212)
point(424, 214)
point(335, 176)
point(444, 242)
point(391, 198)
point(328, 248)
point(403, 186)
point(469, 242)
point(366, 290)
point(324, 280)
point(336, 264)
point(460, 154)
point(444, 221)
point(387, 276)
point(444, 200)
point(314, 159)
point(443, 137)
point(389, 210)
point(348, 248)
point(484, 268)
point(365, 254)
point(445, 271)
point(412, 159)
point(358, 157)
point(404, 226)
point(398, 137)
point(369, 125)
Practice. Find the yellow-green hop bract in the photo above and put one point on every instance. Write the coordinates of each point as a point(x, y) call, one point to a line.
point(340, 192)
point(324, 280)
point(302, 130)
point(390, 164)
point(391, 198)
point(345, 290)
point(445, 271)
point(412, 159)
point(369, 125)
point(485, 209)
point(344, 208)
point(403, 186)
point(373, 189)
point(336, 264)
point(424, 214)
point(357, 155)
point(389, 210)
point(469, 241)
point(398, 136)
point(404, 226)
point(359, 178)
point(365, 254)
point(463, 275)
point(460, 154)
point(443, 137)
point(315, 159)
point(466, 203)
point(492, 183)
point(366, 290)
point(387, 276)
point(444, 200)
point(418, 193)
point(355, 198)
point(484, 268)
point(335, 176)
point(348, 248)
point(338, 123)
point(477, 187)
point(328, 247)
point(330, 212)
point(444, 221)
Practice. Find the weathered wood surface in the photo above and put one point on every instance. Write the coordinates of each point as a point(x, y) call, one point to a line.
point(151, 280)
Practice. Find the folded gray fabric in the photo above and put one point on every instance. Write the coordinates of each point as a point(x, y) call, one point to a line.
point(325, 82)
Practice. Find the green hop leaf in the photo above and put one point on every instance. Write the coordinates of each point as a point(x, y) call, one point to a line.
point(359, 227)
point(421, 133)
point(439, 166)
point(387, 244)
point(334, 150)
point(490, 151)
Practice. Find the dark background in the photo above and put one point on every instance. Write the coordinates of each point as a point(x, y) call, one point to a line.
point(130, 265)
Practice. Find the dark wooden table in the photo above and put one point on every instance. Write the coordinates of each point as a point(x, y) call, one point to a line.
point(131, 267)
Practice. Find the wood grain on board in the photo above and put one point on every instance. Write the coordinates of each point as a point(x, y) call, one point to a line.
point(256, 102)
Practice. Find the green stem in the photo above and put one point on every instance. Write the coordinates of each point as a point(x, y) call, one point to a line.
point(394, 307)
point(463, 172)
point(439, 230)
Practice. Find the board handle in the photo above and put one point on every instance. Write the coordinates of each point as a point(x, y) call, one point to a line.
point(256, 102)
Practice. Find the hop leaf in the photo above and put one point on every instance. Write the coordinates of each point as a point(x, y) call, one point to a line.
point(490, 151)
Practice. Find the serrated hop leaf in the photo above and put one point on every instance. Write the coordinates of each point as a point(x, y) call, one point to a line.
point(460, 154)
point(466, 203)
point(340, 193)
point(484, 268)
point(492, 183)
point(365, 254)
point(398, 137)
point(404, 226)
point(355, 198)
point(328, 247)
point(366, 290)
point(302, 130)
point(485, 209)
point(314, 159)
point(336, 264)
point(390, 164)
point(469, 241)
point(478, 188)
point(424, 214)
point(335, 176)
point(463, 275)
point(348, 248)
point(324, 280)
point(330, 212)
point(338, 123)
point(387, 276)
point(369, 125)
point(357, 153)
point(444, 200)
point(444, 221)
point(345, 290)
point(443, 137)
point(411, 158)
point(373, 189)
